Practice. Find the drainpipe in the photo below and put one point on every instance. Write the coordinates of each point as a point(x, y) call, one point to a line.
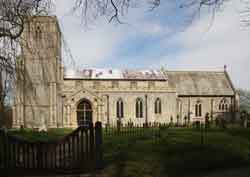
point(24, 97)
point(146, 111)
point(189, 119)
point(212, 110)
point(108, 121)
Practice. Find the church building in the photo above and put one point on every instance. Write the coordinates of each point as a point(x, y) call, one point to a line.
point(48, 94)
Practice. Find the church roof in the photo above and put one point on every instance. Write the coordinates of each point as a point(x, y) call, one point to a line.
point(193, 83)
point(200, 83)
point(115, 74)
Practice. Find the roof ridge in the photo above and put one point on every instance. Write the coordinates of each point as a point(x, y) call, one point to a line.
point(205, 71)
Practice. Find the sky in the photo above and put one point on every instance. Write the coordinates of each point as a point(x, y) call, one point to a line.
point(169, 36)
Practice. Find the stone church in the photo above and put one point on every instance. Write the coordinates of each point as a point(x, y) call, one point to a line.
point(48, 94)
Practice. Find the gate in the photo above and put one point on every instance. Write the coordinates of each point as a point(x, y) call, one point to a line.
point(78, 152)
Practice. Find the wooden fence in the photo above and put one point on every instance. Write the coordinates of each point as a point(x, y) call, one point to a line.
point(78, 152)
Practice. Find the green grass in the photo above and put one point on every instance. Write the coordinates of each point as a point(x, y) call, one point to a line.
point(177, 153)
point(245, 133)
point(34, 136)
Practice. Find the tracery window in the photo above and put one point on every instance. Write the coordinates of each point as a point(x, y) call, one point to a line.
point(223, 106)
point(119, 109)
point(158, 106)
point(198, 109)
point(139, 108)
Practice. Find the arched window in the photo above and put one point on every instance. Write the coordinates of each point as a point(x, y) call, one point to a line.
point(198, 109)
point(158, 106)
point(119, 109)
point(84, 112)
point(139, 108)
point(38, 34)
point(223, 106)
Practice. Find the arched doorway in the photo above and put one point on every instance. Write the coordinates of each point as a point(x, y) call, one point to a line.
point(84, 112)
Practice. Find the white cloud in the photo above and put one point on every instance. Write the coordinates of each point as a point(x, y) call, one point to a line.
point(225, 43)
point(88, 47)
point(151, 29)
point(199, 47)
point(92, 46)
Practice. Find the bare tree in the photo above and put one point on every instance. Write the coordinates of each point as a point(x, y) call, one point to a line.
point(5, 89)
point(113, 10)
point(13, 16)
point(14, 13)
point(244, 100)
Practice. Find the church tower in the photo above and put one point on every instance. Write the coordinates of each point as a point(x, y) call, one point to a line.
point(39, 75)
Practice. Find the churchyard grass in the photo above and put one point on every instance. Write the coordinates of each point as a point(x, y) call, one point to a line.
point(175, 152)
point(34, 136)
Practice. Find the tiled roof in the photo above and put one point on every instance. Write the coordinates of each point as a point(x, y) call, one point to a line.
point(200, 82)
point(185, 82)
point(115, 74)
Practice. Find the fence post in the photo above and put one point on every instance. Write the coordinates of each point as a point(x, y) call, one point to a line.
point(92, 148)
point(98, 145)
point(202, 135)
point(39, 155)
point(119, 126)
point(5, 150)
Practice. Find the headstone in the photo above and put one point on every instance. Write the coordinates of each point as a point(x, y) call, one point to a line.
point(42, 126)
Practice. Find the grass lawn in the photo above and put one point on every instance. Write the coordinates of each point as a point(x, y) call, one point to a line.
point(177, 152)
point(34, 136)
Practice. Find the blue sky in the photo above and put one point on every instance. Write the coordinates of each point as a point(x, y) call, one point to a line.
point(167, 36)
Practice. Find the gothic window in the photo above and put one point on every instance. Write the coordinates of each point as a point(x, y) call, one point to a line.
point(158, 106)
point(198, 109)
point(119, 109)
point(139, 108)
point(223, 106)
point(84, 112)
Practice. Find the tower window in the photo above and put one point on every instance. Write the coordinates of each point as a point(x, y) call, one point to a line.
point(38, 33)
point(35, 92)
